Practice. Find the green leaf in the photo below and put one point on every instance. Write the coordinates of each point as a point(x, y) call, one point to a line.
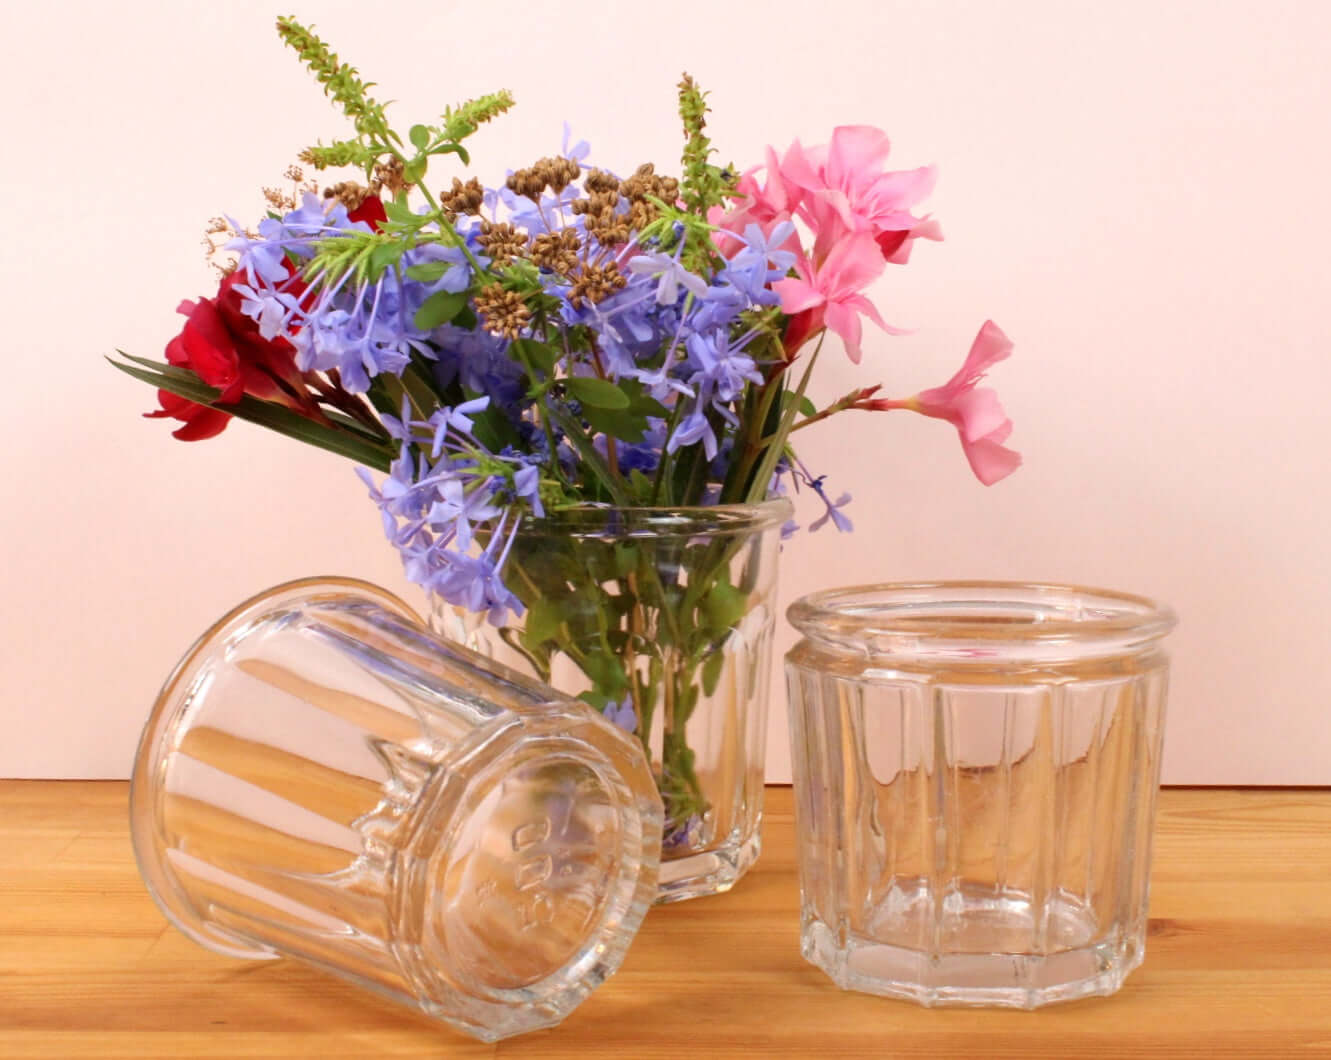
point(456, 149)
point(383, 256)
point(711, 671)
point(428, 272)
point(276, 418)
point(628, 424)
point(597, 393)
point(440, 308)
point(419, 137)
point(542, 622)
point(539, 355)
point(414, 171)
point(399, 211)
point(724, 606)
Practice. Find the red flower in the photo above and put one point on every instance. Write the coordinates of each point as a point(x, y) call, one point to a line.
point(371, 211)
point(223, 348)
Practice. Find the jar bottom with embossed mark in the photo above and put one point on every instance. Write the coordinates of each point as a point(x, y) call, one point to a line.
point(322, 779)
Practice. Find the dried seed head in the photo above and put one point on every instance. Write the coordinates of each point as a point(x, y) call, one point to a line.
point(595, 283)
point(502, 312)
point(348, 193)
point(526, 182)
point(502, 242)
point(278, 199)
point(557, 251)
point(462, 198)
point(389, 175)
point(598, 180)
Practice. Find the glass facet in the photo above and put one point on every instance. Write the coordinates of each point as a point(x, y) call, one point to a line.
point(663, 618)
point(323, 779)
point(976, 768)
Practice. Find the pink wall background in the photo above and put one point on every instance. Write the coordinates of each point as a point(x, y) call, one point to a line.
point(1139, 193)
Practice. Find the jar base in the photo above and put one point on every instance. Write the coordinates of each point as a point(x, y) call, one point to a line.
point(965, 973)
point(707, 872)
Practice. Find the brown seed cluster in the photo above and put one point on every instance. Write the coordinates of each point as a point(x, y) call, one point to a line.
point(502, 312)
point(553, 173)
point(348, 193)
point(557, 251)
point(640, 189)
point(462, 198)
point(389, 175)
point(502, 242)
point(603, 207)
point(595, 282)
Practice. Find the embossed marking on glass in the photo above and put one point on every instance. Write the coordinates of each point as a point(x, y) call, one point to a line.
point(323, 779)
point(975, 769)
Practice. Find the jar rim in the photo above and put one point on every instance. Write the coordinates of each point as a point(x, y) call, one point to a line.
point(981, 621)
point(602, 520)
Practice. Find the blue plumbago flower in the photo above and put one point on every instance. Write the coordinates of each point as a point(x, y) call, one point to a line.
point(839, 520)
point(578, 151)
point(720, 367)
point(271, 308)
point(670, 275)
point(679, 835)
point(481, 363)
point(622, 714)
point(457, 507)
point(465, 580)
point(761, 262)
point(445, 419)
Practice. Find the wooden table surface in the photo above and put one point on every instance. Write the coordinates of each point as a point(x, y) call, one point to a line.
point(1238, 962)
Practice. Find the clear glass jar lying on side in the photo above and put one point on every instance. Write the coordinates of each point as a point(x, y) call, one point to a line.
point(323, 779)
point(976, 767)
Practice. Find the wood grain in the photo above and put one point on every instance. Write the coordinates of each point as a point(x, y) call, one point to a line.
point(1238, 963)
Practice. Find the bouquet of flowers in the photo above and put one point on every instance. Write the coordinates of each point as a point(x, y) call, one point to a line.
point(576, 335)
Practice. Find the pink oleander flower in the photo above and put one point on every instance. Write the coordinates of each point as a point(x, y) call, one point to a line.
point(829, 293)
point(974, 411)
point(845, 189)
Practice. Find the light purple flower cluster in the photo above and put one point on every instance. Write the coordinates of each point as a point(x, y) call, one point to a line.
point(678, 343)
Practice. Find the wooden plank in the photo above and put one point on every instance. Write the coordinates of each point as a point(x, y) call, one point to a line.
point(1238, 961)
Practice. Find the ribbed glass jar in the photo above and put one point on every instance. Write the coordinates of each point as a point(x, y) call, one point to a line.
point(976, 767)
point(662, 618)
point(322, 779)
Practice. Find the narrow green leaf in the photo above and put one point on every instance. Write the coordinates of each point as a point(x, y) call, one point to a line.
point(599, 393)
point(276, 418)
point(440, 308)
point(589, 454)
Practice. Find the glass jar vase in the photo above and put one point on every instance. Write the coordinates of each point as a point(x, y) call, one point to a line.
point(322, 779)
point(976, 767)
point(662, 619)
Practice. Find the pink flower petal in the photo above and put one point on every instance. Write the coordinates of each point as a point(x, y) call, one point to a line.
point(854, 150)
point(990, 461)
point(845, 321)
point(797, 295)
point(980, 413)
point(851, 266)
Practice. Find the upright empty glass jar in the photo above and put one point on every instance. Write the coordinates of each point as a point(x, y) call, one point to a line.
point(322, 779)
point(976, 767)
